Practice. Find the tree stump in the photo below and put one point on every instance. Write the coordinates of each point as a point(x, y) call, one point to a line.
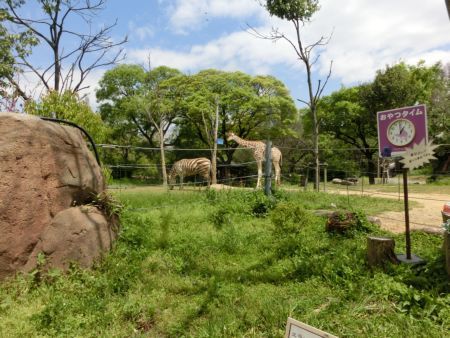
point(341, 221)
point(380, 250)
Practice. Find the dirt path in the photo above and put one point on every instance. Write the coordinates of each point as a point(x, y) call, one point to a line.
point(425, 216)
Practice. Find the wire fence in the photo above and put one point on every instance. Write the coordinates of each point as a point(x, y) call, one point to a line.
point(142, 164)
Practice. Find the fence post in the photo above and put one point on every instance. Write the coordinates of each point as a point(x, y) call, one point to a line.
point(306, 178)
point(362, 184)
point(268, 169)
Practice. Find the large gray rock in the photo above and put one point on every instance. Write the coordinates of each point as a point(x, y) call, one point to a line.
point(45, 168)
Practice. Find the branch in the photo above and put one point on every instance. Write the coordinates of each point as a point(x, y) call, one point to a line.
point(142, 131)
point(17, 88)
point(17, 20)
point(34, 70)
point(305, 102)
point(319, 92)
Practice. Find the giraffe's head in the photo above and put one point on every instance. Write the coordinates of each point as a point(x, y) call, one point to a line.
point(230, 135)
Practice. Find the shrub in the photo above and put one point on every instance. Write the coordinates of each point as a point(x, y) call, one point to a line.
point(289, 217)
point(262, 204)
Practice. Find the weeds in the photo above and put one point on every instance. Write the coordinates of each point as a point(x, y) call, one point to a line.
point(204, 265)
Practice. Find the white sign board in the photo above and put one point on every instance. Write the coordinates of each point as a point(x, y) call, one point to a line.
point(296, 329)
point(418, 155)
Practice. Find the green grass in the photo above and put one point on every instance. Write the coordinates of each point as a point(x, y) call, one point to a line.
point(234, 264)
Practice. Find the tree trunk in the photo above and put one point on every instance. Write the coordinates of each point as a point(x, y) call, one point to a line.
point(315, 128)
point(371, 168)
point(163, 156)
point(316, 157)
point(380, 250)
point(447, 3)
point(214, 153)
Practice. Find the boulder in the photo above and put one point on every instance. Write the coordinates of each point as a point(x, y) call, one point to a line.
point(78, 234)
point(45, 168)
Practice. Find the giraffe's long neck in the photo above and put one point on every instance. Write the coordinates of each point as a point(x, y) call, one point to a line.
point(245, 143)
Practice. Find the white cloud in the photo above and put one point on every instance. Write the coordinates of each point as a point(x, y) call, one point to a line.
point(367, 35)
point(189, 15)
point(370, 34)
point(141, 32)
point(237, 51)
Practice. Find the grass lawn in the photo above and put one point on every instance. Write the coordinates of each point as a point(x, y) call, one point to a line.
point(234, 264)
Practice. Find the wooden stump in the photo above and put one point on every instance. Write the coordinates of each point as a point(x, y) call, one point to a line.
point(380, 250)
point(341, 221)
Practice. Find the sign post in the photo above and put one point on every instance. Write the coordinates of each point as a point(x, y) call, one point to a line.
point(403, 132)
point(405, 199)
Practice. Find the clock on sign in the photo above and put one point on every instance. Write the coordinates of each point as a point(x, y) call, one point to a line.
point(401, 132)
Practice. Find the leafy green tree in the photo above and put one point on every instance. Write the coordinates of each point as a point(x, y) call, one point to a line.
point(343, 116)
point(117, 88)
point(299, 12)
point(241, 103)
point(67, 106)
point(349, 114)
point(435, 86)
point(200, 106)
point(159, 101)
point(135, 101)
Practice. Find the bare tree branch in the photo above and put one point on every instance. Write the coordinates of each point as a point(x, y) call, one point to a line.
point(93, 51)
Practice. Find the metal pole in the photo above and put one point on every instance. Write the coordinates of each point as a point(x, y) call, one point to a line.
point(348, 197)
point(362, 185)
point(306, 178)
point(405, 198)
point(268, 169)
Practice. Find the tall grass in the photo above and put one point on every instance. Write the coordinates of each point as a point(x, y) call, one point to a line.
point(234, 264)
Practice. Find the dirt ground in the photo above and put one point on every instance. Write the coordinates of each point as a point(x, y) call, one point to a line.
point(424, 215)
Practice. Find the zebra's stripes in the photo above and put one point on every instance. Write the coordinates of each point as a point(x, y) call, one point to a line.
point(190, 167)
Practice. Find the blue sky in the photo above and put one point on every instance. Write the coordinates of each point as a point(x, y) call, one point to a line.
point(196, 34)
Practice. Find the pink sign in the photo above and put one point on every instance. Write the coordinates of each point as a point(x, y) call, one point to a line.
point(399, 129)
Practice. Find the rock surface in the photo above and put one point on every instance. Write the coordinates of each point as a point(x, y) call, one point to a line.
point(78, 234)
point(45, 168)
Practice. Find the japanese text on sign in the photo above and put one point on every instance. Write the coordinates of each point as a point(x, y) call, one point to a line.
point(397, 115)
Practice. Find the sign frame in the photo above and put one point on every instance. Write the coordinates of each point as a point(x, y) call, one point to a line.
point(416, 115)
point(311, 332)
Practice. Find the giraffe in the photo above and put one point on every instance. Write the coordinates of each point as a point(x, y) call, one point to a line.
point(259, 148)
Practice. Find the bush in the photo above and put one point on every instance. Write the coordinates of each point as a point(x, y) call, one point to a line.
point(290, 217)
point(262, 204)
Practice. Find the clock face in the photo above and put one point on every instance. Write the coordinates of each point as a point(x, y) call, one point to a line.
point(401, 132)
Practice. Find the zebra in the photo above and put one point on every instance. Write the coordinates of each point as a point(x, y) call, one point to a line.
point(190, 167)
